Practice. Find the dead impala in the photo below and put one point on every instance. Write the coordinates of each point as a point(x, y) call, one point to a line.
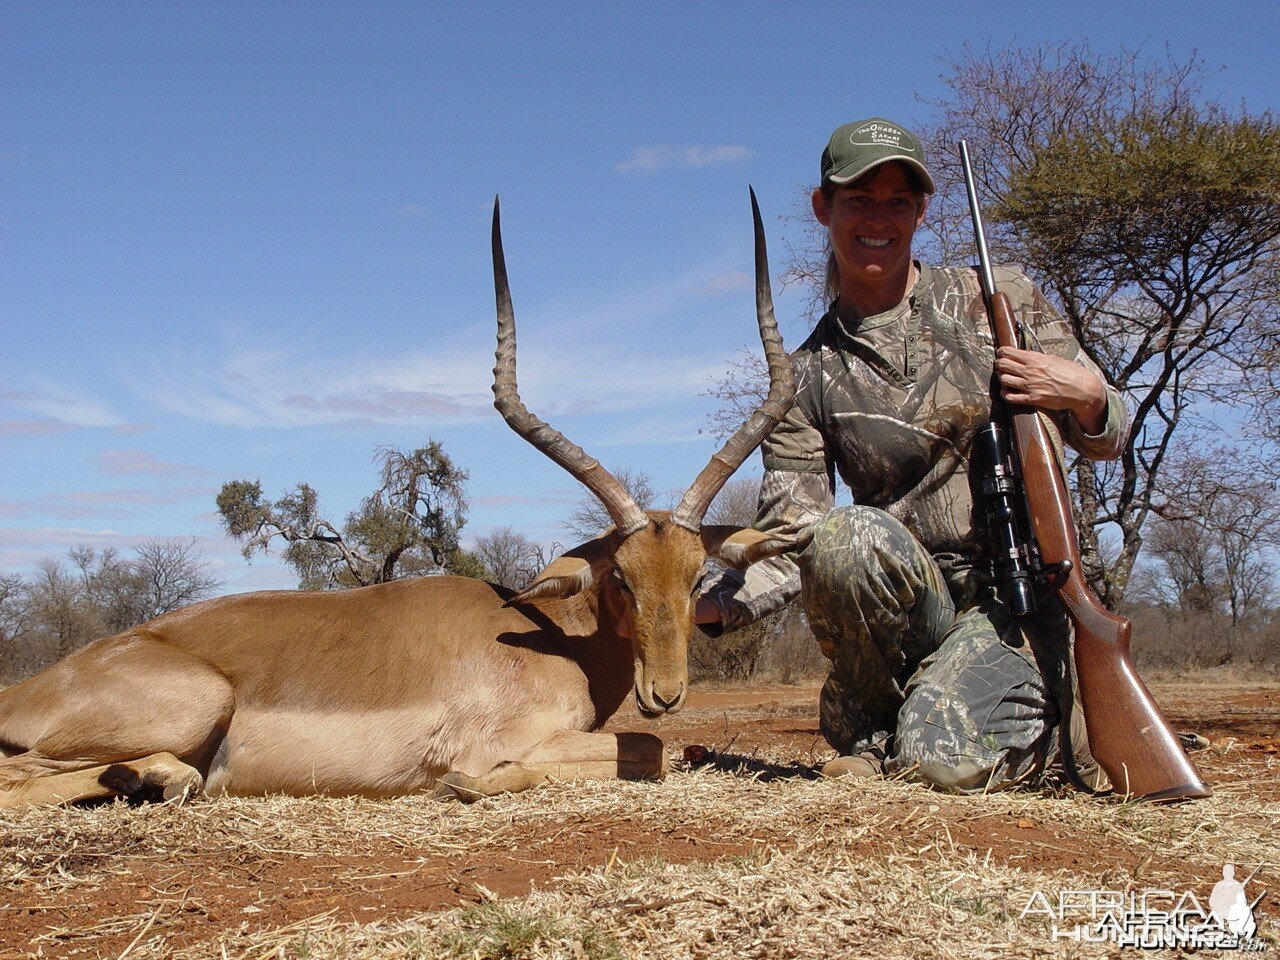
point(439, 682)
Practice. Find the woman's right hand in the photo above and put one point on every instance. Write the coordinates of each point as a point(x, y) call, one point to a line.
point(706, 611)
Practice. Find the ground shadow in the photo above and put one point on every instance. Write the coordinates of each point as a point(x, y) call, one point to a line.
point(752, 768)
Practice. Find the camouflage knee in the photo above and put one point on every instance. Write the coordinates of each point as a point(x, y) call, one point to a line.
point(877, 604)
point(865, 576)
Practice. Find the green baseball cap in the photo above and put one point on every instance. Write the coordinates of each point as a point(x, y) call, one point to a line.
point(857, 147)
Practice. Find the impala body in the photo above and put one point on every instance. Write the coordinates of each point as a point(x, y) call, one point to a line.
point(442, 683)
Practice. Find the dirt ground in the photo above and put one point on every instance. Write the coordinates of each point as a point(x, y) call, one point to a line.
point(211, 878)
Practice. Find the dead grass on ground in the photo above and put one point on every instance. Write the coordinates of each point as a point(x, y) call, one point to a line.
point(820, 868)
point(840, 869)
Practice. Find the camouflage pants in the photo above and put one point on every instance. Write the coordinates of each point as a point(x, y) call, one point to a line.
point(958, 699)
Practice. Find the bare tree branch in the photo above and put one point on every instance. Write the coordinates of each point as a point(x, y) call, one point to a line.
point(511, 559)
point(589, 517)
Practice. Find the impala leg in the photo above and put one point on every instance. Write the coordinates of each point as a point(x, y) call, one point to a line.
point(129, 716)
point(567, 755)
point(34, 780)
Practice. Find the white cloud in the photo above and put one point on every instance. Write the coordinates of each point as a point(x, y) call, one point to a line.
point(599, 349)
point(382, 405)
point(664, 431)
point(306, 387)
point(35, 428)
point(20, 550)
point(714, 156)
point(142, 463)
point(301, 388)
point(59, 407)
point(102, 504)
point(729, 282)
point(651, 159)
point(648, 160)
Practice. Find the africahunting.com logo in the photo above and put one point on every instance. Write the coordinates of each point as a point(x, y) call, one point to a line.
point(1154, 919)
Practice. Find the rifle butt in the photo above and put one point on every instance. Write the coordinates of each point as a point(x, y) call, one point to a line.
point(1128, 735)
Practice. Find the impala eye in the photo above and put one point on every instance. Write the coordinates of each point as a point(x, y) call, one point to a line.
point(617, 575)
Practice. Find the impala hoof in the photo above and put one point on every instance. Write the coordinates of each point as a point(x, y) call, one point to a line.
point(179, 792)
point(159, 778)
point(455, 787)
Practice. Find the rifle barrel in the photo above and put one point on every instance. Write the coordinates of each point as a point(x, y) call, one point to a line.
point(980, 235)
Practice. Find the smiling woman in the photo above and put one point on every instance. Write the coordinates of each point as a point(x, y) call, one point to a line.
point(872, 200)
point(871, 222)
point(930, 674)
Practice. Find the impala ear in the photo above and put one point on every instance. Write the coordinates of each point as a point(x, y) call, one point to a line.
point(740, 547)
point(563, 577)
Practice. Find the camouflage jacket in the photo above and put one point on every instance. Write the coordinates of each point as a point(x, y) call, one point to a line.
point(891, 403)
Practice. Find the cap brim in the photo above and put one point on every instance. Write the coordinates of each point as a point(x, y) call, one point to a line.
point(850, 173)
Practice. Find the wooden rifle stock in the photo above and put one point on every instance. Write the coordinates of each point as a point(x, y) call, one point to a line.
point(1128, 735)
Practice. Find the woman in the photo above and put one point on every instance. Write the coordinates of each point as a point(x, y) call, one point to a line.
point(930, 676)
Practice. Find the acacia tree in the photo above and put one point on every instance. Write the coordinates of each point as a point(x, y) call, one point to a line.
point(1219, 523)
point(736, 503)
point(1151, 219)
point(171, 572)
point(1260, 384)
point(780, 644)
point(164, 573)
point(62, 606)
point(409, 526)
point(1183, 569)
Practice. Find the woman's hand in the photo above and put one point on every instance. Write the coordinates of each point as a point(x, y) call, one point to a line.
point(706, 611)
point(1053, 383)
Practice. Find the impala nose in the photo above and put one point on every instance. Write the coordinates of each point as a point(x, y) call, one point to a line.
point(667, 700)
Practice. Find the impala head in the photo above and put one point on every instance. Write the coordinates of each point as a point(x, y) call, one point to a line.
point(646, 567)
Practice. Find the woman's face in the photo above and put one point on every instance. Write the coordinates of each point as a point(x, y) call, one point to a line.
point(871, 222)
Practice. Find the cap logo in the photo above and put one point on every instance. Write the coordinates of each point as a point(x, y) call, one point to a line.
point(878, 134)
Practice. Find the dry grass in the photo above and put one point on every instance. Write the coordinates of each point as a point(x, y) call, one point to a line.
point(59, 847)
point(802, 904)
point(841, 869)
point(881, 869)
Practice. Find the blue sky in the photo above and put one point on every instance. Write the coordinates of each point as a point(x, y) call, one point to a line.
point(251, 240)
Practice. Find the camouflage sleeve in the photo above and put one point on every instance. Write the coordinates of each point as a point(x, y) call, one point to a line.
point(798, 489)
point(1046, 330)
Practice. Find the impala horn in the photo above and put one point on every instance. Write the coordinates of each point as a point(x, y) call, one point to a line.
point(782, 390)
point(627, 516)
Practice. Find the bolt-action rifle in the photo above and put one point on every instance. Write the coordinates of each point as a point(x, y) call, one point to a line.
point(1036, 533)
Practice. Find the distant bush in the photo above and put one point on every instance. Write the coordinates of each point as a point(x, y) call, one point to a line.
point(64, 605)
point(780, 647)
point(1171, 640)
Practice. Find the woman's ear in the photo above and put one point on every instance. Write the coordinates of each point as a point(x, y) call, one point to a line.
point(820, 208)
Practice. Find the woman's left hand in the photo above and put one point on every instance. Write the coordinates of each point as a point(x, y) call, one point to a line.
point(1052, 383)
